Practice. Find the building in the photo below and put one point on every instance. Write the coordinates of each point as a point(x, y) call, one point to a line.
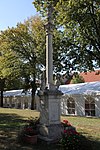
point(91, 76)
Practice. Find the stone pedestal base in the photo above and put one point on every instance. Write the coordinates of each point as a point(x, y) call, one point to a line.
point(50, 126)
point(51, 133)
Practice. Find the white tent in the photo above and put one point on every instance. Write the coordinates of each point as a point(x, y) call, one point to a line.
point(78, 99)
point(81, 88)
point(81, 99)
point(16, 93)
point(17, 99)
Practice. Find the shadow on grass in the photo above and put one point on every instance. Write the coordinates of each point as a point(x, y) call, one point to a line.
point(93, 145)
point(10, 126)
point(10, 121)
point(89, 143)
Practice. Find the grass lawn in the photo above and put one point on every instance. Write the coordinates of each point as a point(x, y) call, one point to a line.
point(89, 127)
point(11, 121)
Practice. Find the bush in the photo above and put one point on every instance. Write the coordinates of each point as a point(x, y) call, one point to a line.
point(70, 138)
point(30, 128)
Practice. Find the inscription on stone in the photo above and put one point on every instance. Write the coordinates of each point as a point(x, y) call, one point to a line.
point(54, 111)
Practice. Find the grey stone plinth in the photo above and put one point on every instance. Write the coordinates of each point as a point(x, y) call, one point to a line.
point(51, 133)
point(50, 107)
point(50, 125)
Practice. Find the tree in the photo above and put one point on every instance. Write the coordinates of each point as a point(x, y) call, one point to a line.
point(77, 79)
point(82, 19)
point(9, 66)
point(26, 42)
point(80, 23)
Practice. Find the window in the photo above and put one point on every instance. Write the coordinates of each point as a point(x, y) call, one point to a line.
point(71, 106)
point(89, 106)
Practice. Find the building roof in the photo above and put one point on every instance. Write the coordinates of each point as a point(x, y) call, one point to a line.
point(81, 88)
point(91, 76)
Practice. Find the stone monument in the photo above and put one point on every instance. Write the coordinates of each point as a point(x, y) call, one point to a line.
point(50, 124)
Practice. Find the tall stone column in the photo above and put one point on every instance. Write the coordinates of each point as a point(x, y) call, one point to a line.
point(49, 49)
point(50, 125)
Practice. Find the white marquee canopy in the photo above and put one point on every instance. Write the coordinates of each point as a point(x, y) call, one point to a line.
point(81, 88)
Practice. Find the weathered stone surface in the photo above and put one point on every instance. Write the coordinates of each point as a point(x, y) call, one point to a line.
point(50, 125)
point(51, 133)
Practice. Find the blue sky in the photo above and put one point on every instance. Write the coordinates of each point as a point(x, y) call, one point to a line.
point(14, 11)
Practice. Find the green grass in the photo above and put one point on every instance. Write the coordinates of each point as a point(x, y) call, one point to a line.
point(11, 120)
point(89, 127)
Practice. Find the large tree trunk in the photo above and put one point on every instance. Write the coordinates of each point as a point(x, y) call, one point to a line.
point(34, 87)
point(2, 84)
point(1, 104)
